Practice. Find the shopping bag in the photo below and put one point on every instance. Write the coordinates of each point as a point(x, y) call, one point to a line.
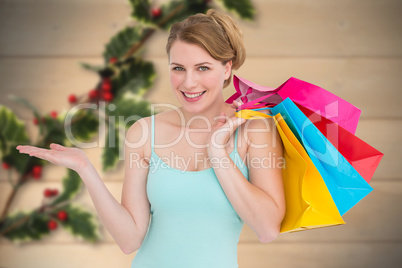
point(311, 96)
point(308, 202)
point(346, 185)
point(363, 157)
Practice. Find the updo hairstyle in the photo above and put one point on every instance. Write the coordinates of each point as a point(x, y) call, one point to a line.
point(215, 32)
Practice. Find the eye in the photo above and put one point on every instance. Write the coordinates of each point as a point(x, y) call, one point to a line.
point(203, 68)
point(178, 68)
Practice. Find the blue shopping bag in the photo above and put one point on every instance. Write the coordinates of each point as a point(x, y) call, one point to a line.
point(346, 186)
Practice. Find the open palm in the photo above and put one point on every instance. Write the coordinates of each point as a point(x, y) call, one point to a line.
point(72, 158)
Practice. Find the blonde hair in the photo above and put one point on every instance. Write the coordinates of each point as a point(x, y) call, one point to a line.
point(215, 32)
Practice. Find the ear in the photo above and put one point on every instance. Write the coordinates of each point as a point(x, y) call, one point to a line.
point(228, 69)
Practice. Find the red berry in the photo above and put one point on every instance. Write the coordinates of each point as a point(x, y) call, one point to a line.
point(35, 121)
point(52, 225)
point(93, 94)
point(113, 60)
point(106, 85)
point(62, 215)
point(37, 171)
point(47, 193)
point(72, 98)
point(156, 12)
point(55, 192)
point(6, 165)
point(53, 114)
point(107, 96)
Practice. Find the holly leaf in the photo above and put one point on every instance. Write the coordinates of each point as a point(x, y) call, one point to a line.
point(244, 8)
point(111, 152)
point(81, 223)
point(25, 226)
point(136, 77)
point(90, 67)
point(83, 127)
point(141, 10)
point(122, 42)
point(176, 11)
point(128, 109)
point(71, 187)
point(12, 131)
point(54, 131)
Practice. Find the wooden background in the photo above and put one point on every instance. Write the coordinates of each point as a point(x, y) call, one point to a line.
point(352, 48)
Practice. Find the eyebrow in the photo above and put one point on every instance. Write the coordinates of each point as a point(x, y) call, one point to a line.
point(198, 64)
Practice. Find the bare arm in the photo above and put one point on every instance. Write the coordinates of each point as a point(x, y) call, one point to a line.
point(125, 222)
point(260, 201)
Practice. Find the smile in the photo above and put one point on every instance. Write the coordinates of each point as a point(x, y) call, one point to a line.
point(191, 96)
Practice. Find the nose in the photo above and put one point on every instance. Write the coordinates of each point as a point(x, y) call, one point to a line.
point(190, 80)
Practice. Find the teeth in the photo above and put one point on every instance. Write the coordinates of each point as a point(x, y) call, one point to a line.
point(193, 95)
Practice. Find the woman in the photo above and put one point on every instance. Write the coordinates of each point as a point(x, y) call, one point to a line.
point(199, 172)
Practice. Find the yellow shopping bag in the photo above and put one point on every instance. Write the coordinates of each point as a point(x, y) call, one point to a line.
point(308, 202)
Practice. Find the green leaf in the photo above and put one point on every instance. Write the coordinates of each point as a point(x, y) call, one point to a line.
point(136, 76)
point(81, 223)
point(122, 42)
point(71, 187)
point(129, 108)
point(12, 131)
point(111, 152)
point(176, 11)
point(90, 67)
point(54, 131)
point(244, 8)
point(141, 10)
point(84, 125)
point(26, 226)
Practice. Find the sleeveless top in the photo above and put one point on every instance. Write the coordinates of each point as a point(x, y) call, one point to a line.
point(193, 224)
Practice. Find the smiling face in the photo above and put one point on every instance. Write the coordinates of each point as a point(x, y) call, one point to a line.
point(196, 78)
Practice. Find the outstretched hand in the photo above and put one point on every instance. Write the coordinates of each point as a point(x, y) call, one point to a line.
point(222, 131)
point(68, 157)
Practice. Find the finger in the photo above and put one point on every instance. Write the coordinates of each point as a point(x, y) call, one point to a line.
point(235, 104)
point(19, 147)
point(237, 121)
point(222, 118)
point(26, 148)
point(57, 147)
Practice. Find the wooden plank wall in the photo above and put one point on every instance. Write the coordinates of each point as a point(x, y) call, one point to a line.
point(352, 48)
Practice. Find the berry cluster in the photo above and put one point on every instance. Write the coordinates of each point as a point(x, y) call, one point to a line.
point(61, 216)
point(50, 192)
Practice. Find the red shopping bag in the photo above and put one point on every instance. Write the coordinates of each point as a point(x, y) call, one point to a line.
point(363, 157)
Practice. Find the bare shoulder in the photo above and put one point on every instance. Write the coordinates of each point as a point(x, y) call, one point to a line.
point(138, 136)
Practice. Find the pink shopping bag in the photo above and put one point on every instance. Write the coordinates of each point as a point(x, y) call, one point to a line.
point(306, 94)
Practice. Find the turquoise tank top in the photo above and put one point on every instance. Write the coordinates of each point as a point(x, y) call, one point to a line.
point(193, 224)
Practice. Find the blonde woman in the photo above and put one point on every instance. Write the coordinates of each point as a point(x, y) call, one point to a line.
point(195, 174)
